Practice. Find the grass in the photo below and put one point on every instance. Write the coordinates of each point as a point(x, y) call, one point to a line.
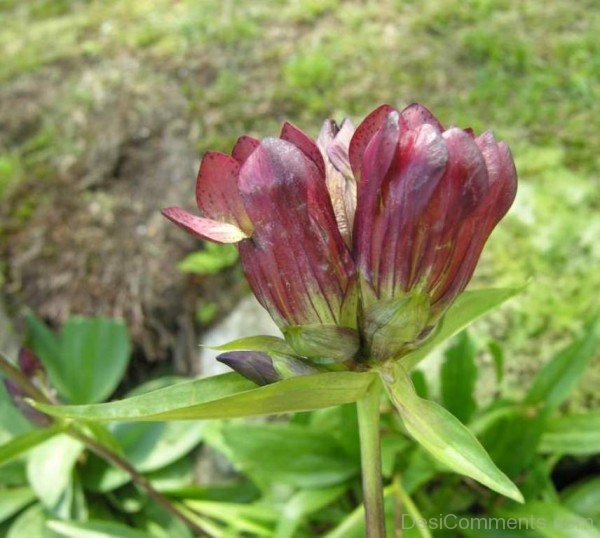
point(529, 70)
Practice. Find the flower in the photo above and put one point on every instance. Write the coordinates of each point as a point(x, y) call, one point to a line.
point(357, 243)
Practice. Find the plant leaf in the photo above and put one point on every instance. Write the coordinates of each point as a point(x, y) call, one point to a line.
point(469, 306)
point(264, 343)
point(225, 396)
point(17, 446)
point(583, 498)
point(555, 380)
point(577, 435)
point(443, 435)
point(48, 475)
point(13, 500)
point(94, 529)
point(289, 454)
point(458, 377)
point(87, 360)
point(552, 520)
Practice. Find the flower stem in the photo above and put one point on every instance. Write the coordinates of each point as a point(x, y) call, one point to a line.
point(370, 452)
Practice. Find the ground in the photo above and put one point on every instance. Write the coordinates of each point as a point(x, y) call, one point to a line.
point(105, 108)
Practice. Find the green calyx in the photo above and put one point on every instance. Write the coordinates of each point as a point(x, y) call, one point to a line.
point(323, 343)
point(391, 327)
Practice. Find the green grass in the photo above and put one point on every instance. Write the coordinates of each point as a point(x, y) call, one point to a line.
point(528, 70)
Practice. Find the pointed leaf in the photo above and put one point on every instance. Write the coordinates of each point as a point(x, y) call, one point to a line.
point(469, 306)
point(458, 376)
point(225, 396)
point(573, 434)
point(555, 380)
point(443, 435)
point(94, 529)
point(17, 446)
point(264, 343)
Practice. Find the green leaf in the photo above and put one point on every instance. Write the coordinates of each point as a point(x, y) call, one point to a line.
point(469, 306)
point(87, 361)
point(555, 380)
point(289, 454)
point(31, 524)
point(458, 377)
point(302, 504)
point(552, 520)
point(263, 343)
point(420, 382)
point(577, 435)
point(583, 498)
point(13, 500)
point(512, 436)
point(213, 259)
point(443, 435)
point(94, 529)
point(497, 353)
point(48, 475)
point(17, 446)
point(148, 447)
point(225, 396)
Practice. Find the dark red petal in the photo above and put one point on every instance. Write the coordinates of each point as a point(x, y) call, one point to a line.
point(480, 224)
point(416, 114)
point(243, 148)
point(211, 230)
point(462, 189)
point(363, 135)
point(469, 131)
point(217, 193)
point(296, 262)
point(405, 195)
point(378, 157)
point(305, 143)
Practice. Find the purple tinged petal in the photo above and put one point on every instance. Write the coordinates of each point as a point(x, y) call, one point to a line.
point(479, 225)
point(422, 160)
point(243, 148)
point(296, 263)
point(217, 192)
point(304, 143)
point(210, 230)
point(378, 157)
point(364, 134)
point(253, 365)
point(461, 191)
point(415, 115)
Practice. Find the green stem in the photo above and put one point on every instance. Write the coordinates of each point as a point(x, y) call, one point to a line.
point(370, 453)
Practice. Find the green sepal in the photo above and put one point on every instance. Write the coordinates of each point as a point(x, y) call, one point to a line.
point(391, 327)
point(325, 343)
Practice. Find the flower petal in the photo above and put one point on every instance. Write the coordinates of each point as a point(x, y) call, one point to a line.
point(477, 228)
point(211, 230)
point(217, 193)
point(297, 263)
point(405, 194)
point(243, 148)
point(416, 114)
point(461, 190)
point(378, 157)
point(333, 142)
point(363, 135)
point(305, 143)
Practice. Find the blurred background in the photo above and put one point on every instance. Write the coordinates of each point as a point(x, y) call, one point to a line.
point(106, 108)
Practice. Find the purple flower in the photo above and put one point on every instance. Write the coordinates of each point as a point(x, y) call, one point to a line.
point(358, 243)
